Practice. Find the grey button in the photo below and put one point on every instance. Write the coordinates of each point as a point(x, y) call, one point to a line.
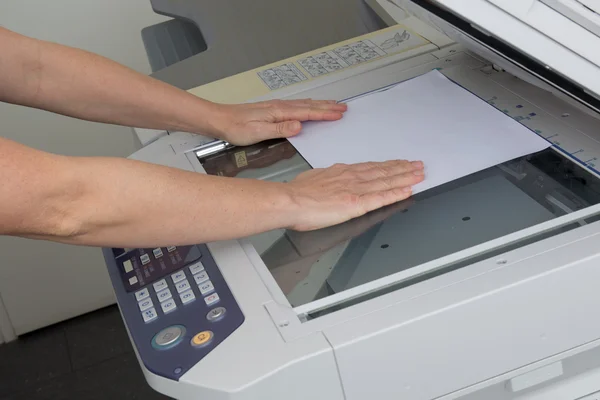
point(196, 268)
point(149, 315)
point(168, 337)
point(216, 313)
point(212, 299)
point(142, 294)
point(206, 288)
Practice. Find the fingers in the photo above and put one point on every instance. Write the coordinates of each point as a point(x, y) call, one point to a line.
point(388, 168)
point(287, 128)
point(327, 106)
point(321, 104)
point(306, 113)
point(342, 192)
point(387, 183)
point(284, 118)
point(375, 200)
point(307, 110)
point(288, 124)
point(310, 101)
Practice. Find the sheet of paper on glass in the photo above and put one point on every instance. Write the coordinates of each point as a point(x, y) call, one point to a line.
point(428, 118)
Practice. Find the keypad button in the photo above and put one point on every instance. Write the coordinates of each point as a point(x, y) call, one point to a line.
point(178, 276)
point(183, 286)
point(164, 295)
point(142, 294)
point(187, 297)
point(145, 259)
point(197, 268)
point(127, 266)
point(168, 306)
point(168, 337)
point(212, 299)
point(133, 280)
point(216, 314)
point(201, 277)
point(145, 304)
point(149, 315)
point(206, 288)
point(160, 285)
point(157, 252)
point(202, 339)
point(171, 249)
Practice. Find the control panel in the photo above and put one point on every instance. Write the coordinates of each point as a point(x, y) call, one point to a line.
point(175, 303)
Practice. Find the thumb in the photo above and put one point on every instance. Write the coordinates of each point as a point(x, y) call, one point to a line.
point(288, 128)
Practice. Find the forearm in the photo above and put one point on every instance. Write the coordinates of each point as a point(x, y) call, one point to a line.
point(83, 85)
point(135, 204)
point(126, 203)
point(166, 206)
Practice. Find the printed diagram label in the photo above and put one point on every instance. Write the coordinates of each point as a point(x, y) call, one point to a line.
point(359, 52)
point(356, 53)
point(395, 41)
point(281, 76)
point(240, 159)
point(381, 45)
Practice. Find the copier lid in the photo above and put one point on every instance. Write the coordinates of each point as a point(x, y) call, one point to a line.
point(561, 37)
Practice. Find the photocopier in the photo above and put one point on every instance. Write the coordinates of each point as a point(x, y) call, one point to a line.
point(487, 287)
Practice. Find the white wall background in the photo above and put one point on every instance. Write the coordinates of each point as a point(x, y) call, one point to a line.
point(42, 283)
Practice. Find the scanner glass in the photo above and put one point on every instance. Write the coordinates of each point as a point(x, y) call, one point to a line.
point(459, 215)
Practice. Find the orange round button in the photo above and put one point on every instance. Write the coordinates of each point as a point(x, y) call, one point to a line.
point(202, 338)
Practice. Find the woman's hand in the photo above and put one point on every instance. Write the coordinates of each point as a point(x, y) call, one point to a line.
point(246, 124)
point(330, 196)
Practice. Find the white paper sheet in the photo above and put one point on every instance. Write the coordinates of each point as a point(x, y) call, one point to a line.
point(428, 118)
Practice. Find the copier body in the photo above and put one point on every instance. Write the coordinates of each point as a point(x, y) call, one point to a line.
point(484, 288)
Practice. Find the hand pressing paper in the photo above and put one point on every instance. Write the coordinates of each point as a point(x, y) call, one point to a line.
point(428, 118)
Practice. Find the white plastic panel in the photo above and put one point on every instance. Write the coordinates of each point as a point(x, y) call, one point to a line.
point(593, 396)
point(536, 377)
point(577, 380)
point(534, 29)
point(593, 5)
point(463, 334)
point(554, 25)
point(579, 11)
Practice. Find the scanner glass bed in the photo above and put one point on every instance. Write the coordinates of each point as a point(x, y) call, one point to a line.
point(467, 212)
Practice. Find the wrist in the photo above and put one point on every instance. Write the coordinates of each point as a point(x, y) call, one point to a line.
point(203, 117)
point(213, 120)
point(283, 206)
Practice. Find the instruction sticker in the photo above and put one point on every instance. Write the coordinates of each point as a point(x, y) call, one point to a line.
point(378, 46)
point(356, 53)
point(281, 76)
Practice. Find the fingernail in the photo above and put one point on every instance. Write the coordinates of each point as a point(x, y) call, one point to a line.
point(407, 189)
point(417, 164)
point(419, 172)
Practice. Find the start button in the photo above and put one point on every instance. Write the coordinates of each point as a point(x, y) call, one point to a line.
point(168, 338)
point(202, 339)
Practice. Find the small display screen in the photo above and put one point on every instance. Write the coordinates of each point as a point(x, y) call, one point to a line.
point(141, 267)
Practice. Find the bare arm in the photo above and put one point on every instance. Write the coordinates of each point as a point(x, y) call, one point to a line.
point(83, 85)
point(120, 202)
